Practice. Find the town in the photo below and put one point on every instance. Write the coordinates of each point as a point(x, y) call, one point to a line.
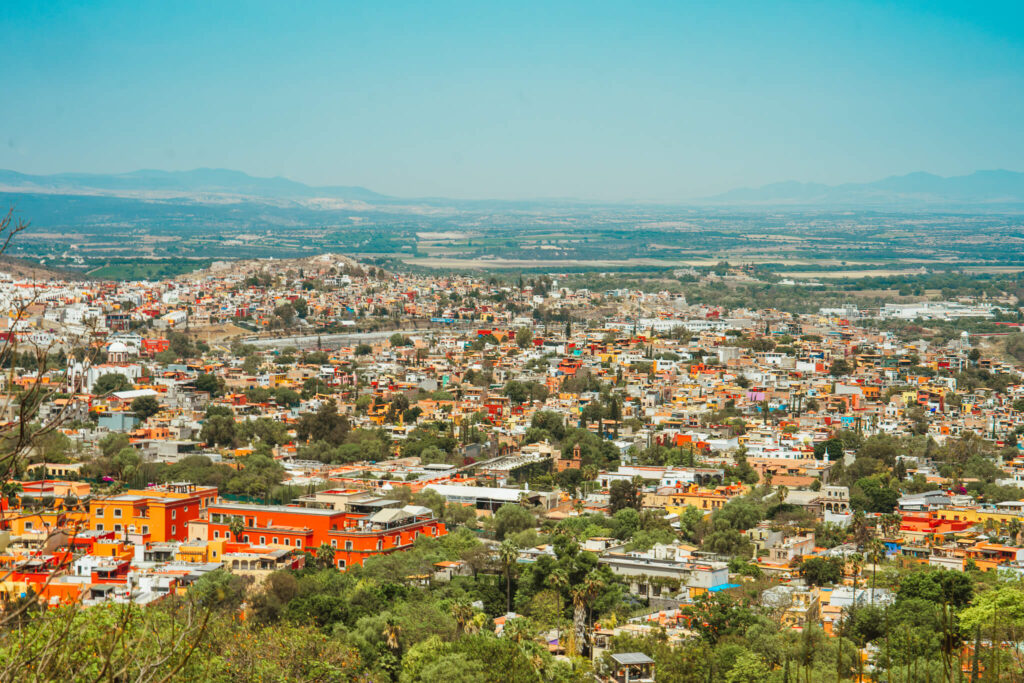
point(612, 483)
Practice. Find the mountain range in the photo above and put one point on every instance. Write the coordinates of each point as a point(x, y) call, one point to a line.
point(195, 183)
point(924, 189)
point(207, 185)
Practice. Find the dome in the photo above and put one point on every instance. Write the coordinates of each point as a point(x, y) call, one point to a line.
point(117, 347)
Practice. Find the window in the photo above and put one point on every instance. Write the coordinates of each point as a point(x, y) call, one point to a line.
point(275, 540)
point(173, 530)
point(298, 543)
point(28, 525)
point(334, 543)
point(263, 540)
point(246, 538)
point(145, 528)
point(117, 527)
point(117, 512)
point(380, 544)
point(348, 545)
point(398, 539)
point(99, 512)
point(287, 541)
point(341, 564)
point(174, 514)
point(99, 527)
point(216, 534)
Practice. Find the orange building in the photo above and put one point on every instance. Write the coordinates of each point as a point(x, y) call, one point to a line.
point(354, 536)
point(158, 514)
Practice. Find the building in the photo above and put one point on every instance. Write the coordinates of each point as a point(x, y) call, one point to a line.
point(353, 536)
point(573, 462)
point(157, 514)
point(632, 667)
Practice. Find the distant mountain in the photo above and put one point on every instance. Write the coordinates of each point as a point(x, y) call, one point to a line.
point(198, 183)
point(214, 186)
point(917, 189)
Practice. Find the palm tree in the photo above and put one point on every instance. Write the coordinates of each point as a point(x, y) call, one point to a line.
point(860, 529)
point(1013, 527)
point(990, 526)
point(782, 492)
point(391, 632)
point(582, 596)
point(876, 553)
point(890, 523)
point(589, 473)
point(858, 564)
point(508, 554)
point(236, 526)
point(476, 624)
point(9, 490)
point(463, 615)
point(559, 581)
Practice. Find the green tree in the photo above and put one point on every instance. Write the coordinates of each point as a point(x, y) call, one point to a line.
point(822, 571)
point(145, 407)
point(524, 337)
point(209, 383)
point(218, 430)
point(749, 668)
point(110, 383)
point(511, 518)
point(623, 494)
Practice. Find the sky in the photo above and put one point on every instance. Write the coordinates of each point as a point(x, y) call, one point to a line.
point(591, 100)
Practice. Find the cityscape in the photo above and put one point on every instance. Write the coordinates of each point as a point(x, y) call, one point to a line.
point(512, 351)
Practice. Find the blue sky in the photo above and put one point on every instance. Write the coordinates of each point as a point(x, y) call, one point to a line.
point(598, 100)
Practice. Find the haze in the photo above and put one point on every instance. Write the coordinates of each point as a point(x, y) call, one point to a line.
point(522, 100)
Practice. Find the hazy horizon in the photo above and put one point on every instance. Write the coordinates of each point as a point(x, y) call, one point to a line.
point(645, 102)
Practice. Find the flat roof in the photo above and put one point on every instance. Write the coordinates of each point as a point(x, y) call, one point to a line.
point(275, 508)
point(509, 495)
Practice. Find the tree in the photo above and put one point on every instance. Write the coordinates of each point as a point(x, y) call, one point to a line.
point(218, 430)
point(839, 368)
point(509, 555)
point(749, 668)
point(623, 494)
point(583, 595)
point(251, 364)
point(524, 337)
point(126, 462)
point(511, 518)
point(822, 571)
point(110, 383)
point(208, 383)
point(832, 447)
point(236, 526)
point(939, 586)
point(145, 407)
point(324, 425)
point(112, 443)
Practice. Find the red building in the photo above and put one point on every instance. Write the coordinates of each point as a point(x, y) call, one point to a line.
point(354, 536)
point(151, 347)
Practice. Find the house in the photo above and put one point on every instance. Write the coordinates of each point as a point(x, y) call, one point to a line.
point(353, 536)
